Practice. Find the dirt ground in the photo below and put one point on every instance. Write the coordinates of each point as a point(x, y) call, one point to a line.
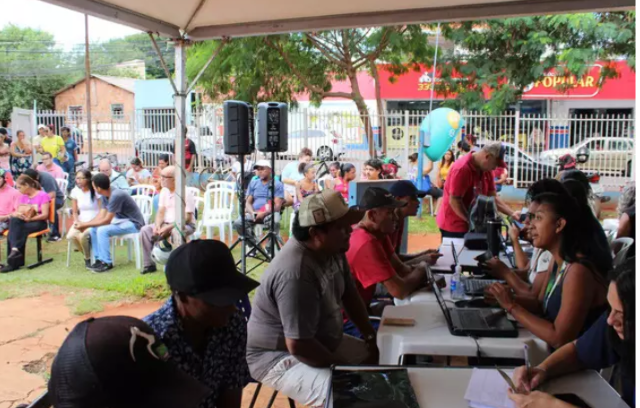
point(32, 331)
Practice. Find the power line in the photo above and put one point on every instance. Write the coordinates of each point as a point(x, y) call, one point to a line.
point(57, 71)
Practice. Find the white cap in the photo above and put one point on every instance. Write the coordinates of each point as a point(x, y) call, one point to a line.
point(41, 126)
point(262, 163)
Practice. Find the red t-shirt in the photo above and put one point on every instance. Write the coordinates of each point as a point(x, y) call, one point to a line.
point(369, 261)
point(465, 181)
point(395, 238)
point(497, 173)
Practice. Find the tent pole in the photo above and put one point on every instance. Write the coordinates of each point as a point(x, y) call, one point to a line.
point(180, 100)
point(87, 83)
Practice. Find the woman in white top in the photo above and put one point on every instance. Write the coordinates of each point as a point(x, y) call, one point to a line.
point(85, 207)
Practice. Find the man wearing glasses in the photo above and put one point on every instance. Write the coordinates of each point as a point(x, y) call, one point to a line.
point(164, 225)
point(118, 180)
point(259, 206)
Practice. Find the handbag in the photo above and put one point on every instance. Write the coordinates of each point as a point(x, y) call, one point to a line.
point(27, 210)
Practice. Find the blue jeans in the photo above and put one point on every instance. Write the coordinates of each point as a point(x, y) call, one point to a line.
point(101, 238)
point(350, 328)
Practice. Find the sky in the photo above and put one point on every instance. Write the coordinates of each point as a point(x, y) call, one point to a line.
point(66, 25)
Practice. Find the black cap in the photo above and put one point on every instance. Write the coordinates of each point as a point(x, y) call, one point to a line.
point(376, 197)
point(117, 362)
point(405, 188)
point(205, 269)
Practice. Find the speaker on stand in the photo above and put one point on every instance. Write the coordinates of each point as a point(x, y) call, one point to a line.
point(273, 137)
point(239, 140)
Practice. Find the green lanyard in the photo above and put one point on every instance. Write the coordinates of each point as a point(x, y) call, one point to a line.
point(552, 283)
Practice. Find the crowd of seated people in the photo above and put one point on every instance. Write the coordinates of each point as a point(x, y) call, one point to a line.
point(584, 309)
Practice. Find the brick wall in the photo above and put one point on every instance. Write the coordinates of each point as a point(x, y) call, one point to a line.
point(103, 95)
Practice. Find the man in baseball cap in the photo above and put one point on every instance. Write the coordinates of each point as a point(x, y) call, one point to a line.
point(371, 257)
point(200, 324)
point(406, 191)
point(470, 177)
point(295, 329)
point(261, 205)
point(119, 362)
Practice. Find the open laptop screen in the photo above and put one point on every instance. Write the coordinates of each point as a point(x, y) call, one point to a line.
point(441, 303)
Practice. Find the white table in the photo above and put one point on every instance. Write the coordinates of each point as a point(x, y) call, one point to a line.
point(465, 255)
point(431, 336)
point(445, 388)
point(426, 295)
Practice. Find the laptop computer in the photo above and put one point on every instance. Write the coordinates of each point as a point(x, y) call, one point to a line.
point(472, 286)
point(484, 322)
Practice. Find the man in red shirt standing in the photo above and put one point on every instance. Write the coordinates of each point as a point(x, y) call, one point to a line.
point(371, 256)
point(469, 177)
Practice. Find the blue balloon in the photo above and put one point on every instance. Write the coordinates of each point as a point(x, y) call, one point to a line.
point(440, 128)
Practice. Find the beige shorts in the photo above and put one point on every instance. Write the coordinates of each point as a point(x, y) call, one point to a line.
point(308, 385)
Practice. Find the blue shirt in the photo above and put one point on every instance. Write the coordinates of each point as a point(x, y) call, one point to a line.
point(261, 192)
point(596, 351)
point(223, 365)
point(71, 146)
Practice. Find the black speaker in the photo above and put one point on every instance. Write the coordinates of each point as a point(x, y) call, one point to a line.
point(272, 127)
point(238, 128)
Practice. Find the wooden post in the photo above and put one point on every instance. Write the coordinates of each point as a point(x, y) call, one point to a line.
point(87, 81)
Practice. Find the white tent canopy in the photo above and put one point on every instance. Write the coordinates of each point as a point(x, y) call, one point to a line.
point(206, 19)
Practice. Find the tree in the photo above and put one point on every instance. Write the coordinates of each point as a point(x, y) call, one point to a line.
point(31, 68)
point(279, 66)
point(506, 55)
point(104, 56)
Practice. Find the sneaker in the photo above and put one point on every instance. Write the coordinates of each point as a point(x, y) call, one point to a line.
point(14, 255)
point(103, 267)
point(95, 265)
point(149, 269)
point(87, 263)
point(54, 238)
point(8, 268)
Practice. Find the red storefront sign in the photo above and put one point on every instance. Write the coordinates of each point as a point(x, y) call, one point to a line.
point(416, 85)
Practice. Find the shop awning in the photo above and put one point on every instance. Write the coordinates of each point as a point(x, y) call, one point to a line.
point(205, 19)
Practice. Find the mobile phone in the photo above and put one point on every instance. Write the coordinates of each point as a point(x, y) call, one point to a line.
point(516, 223)
point(572, 399)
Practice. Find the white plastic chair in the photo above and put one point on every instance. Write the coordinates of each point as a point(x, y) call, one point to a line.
point(63, 184)
point(197, 234)
point(145, 204)
point(69, 250)
point(624, 244)
point(143, 189)
point(193, 191)
point(218, 211)
point(221, 184)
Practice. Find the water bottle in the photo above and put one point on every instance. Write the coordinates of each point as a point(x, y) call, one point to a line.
point(456, 283)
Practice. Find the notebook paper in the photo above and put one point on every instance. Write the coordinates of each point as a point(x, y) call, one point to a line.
point(487, 389)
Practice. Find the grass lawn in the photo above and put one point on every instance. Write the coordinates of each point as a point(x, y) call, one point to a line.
point(86, 291)
point(89, 292)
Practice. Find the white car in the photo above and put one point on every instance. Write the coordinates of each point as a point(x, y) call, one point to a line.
point(325, 144)
point(605, 154)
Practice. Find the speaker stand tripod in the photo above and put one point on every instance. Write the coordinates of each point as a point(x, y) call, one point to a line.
point(272, 235)
point(256, 250)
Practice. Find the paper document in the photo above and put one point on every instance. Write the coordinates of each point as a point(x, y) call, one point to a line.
point(487, 389)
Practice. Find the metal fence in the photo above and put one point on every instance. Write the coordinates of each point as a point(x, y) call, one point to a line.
point(534, 142)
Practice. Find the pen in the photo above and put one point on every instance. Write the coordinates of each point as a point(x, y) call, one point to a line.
point(527, 361)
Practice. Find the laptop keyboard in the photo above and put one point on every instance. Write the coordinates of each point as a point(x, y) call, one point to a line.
point(476, 285)
point(471, 319)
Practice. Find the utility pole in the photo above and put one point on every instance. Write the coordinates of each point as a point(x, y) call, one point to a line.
point(87, 83)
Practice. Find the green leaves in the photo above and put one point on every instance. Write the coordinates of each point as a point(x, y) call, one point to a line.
point(506, 55)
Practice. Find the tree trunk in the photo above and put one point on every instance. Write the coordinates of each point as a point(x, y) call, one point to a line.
point(381, 120)
point(363, 111)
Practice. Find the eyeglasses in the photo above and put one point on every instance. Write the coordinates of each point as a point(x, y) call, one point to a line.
point(166, 177)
